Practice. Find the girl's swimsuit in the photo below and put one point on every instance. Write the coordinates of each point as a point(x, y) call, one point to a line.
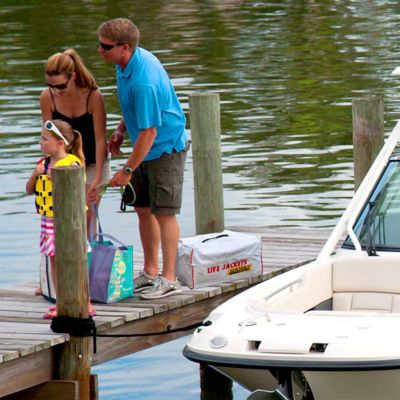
point(44, 187)
point(44, 203)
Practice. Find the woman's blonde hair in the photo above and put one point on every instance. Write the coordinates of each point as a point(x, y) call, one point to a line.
point(73, 137)
point(67, 63)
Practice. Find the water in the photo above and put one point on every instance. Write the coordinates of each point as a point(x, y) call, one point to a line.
point(286, 72)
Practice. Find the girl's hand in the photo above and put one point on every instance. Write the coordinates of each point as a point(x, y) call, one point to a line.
point(40, 169)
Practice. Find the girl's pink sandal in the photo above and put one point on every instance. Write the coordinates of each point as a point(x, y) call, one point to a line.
point(50, 313)
point(92, 311)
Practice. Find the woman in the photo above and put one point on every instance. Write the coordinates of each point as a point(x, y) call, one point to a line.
point(73, 96)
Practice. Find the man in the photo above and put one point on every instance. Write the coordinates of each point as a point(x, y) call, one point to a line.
point(155, 122)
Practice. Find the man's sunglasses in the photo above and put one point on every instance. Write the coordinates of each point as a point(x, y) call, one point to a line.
point(108, 47)
point(61, 86)
point(49, 125)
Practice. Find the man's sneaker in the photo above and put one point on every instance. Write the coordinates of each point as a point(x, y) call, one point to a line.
point(143, 282)
point(162, 288)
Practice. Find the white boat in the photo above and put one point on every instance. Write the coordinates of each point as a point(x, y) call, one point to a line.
point(329, 329)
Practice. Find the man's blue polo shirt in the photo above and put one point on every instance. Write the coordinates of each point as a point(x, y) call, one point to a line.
point(148, 99)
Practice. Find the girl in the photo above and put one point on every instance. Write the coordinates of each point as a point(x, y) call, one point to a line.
point(62, 146)
point(73, 96)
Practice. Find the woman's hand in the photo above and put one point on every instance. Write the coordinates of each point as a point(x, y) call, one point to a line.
point(91, 194)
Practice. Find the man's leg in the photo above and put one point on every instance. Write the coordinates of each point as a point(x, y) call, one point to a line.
point(169, 230)
point(150, 238)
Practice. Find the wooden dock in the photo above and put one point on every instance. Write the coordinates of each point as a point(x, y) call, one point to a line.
point(29, 348)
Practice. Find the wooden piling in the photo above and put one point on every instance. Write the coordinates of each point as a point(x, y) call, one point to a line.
point(368, 134)
point(214, 385)
point(207, 166)
point(205, 128)
point(72, 273)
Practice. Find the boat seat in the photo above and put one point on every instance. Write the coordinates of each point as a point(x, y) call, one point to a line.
point(329, 313)
point(367, 301)
point(366, 284)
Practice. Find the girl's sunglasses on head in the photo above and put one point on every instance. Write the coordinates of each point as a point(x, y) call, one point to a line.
point(49, 125)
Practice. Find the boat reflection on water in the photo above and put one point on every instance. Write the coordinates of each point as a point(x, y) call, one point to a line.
point(329, 329)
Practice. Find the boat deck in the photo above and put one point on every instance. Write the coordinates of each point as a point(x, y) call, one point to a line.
point(27, 345)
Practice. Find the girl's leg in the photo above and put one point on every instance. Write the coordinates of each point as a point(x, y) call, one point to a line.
point(52, 311)
point(53, 272)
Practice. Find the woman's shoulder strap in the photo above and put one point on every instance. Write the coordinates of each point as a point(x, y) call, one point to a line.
point(88, 98)
point(52, 100)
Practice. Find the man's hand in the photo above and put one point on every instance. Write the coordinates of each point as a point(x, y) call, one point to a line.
point(120, 178)
point(114, 144)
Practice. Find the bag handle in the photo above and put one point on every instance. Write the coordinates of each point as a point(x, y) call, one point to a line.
point(94, 209)
point(101, 235)
point(216, 237)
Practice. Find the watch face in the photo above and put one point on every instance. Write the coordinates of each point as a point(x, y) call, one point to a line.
point(128, 170)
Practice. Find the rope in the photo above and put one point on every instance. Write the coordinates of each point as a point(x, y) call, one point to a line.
point(81, 327)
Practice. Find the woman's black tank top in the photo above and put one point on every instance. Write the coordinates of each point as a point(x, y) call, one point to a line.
point(85, 125)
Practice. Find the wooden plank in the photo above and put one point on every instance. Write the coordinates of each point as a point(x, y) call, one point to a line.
point(60, 390)
point(268, 231)
point(52, 339)
point(26, 327)
point(10, 305)
point(23, 373)
point(7, 355)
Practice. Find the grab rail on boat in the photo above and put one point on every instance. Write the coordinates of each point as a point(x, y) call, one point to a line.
point(281, 289)
point(286, 286)
point(265, 313)
point(353, 209)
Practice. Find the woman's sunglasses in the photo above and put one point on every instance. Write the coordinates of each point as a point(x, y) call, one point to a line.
point(49, 125)
point(61, 86)
point(108, 47)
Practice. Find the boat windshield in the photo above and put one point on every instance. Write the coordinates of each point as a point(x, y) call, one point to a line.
point(378, 226)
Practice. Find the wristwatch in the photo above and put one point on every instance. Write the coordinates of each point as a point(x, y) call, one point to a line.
point(128, 170)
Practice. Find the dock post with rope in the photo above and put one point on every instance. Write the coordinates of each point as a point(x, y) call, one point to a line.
point(72, 275)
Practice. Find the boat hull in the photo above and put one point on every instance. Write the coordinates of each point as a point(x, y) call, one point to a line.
point(353, 382)
point(354, 385)
point(280, 335)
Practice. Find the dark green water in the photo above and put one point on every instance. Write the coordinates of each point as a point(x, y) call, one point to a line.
point(286, 72)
